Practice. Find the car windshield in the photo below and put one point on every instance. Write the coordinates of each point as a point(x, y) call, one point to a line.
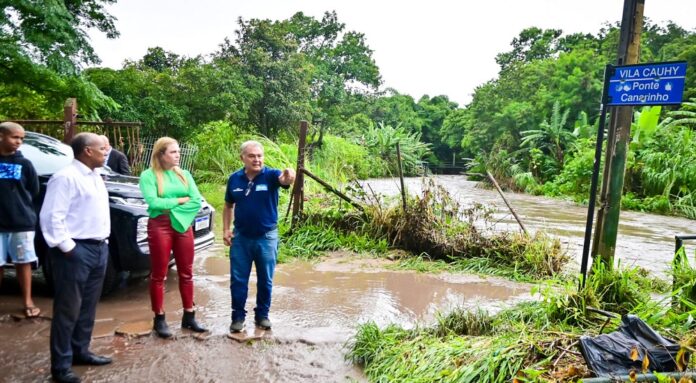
point(47, 154)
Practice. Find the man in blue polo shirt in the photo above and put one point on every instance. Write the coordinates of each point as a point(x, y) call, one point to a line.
point(252, 193)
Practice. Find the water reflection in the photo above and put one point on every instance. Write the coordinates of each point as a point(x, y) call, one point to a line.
point(342, 295)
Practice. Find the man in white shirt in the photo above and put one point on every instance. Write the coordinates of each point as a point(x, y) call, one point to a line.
point(75, 222)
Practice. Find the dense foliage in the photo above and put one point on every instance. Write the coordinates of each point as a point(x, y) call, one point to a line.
point(44, 44)
point(533, 126)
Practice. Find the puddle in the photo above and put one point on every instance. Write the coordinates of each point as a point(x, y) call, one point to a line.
point(316, 308)
point(329, 296)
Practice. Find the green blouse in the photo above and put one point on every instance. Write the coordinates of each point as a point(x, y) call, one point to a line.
point(181, 215)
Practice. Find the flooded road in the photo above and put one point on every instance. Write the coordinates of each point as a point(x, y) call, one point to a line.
point(645, 240)
point(316, 308)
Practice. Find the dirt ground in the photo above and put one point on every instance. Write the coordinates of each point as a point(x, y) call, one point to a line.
point(316, 308)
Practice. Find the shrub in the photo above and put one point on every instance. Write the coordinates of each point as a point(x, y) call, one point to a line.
point(340, 160)
point(573, 179)
point(381, 141)
point(218, 156)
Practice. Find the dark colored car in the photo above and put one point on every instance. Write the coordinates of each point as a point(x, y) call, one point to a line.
point(128, 248)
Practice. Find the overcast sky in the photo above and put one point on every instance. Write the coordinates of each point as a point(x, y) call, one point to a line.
point(421, 47)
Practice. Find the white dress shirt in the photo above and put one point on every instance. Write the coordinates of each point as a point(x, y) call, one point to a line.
point(76, 207)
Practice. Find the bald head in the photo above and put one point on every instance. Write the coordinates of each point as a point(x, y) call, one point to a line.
point(9, 126)
point(11, 137)
point(89, 149)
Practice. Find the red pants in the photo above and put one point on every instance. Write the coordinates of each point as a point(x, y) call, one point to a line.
point(162, 239)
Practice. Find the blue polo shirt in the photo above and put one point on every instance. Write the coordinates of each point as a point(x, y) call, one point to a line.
point(255, 202)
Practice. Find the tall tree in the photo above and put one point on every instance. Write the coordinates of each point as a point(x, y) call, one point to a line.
point(302, 68)
point(341, 63)
point(44, 45)
point(275, 70)
point(453, 128)
point(173, 95)
point(433, 112)
point(160, 60)
point(395, 109)
point(532, 44)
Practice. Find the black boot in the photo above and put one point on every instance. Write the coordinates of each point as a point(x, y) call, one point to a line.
point(188, 321)
point(160, 326)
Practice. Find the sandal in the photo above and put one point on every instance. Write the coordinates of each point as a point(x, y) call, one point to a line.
point(32, 312)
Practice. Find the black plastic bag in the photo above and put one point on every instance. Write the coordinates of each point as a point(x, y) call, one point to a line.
point(610, 354)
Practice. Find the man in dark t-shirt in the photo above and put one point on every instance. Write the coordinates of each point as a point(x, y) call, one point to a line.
point(19, 187)
point(252, 194)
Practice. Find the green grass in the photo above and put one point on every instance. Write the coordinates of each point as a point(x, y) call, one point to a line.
point(464, 323)
point(308, 241)
point(527, 342)
point(396, 355)
point(421, 263)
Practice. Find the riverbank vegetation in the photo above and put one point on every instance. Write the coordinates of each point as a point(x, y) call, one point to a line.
point(436, 227)
point(532, 126)
point(530, 342)
point(434, 234)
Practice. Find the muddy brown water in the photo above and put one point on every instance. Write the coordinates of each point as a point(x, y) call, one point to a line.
point(316, 307)
point(645, 240)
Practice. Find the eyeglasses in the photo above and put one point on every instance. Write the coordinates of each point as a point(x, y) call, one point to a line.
point(249, 186)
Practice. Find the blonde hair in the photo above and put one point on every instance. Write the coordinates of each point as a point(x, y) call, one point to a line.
point(158, 151)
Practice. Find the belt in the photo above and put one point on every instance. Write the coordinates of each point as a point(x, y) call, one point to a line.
point(91, 241)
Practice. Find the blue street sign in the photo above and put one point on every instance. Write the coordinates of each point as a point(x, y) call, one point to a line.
point(647, 84)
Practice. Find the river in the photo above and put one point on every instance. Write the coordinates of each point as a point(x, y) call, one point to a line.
point(645, 240)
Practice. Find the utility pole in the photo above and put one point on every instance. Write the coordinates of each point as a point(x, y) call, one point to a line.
point(604, 242)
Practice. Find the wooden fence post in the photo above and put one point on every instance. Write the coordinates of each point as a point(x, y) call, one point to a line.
point(401, 176)
point(69, 119)
point(297, 199)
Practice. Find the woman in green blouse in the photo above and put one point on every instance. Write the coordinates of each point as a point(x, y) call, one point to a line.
point(173, 201)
